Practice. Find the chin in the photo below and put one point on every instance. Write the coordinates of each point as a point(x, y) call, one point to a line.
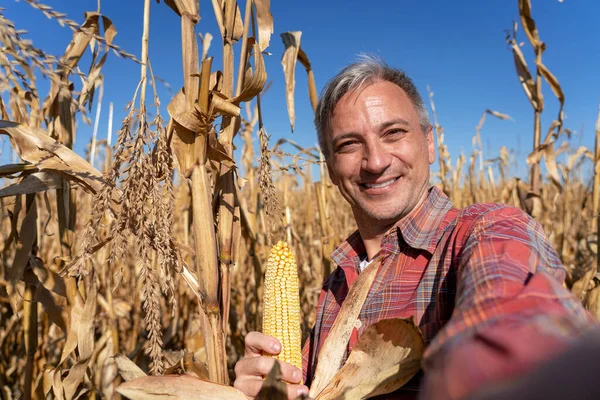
point(381, 214)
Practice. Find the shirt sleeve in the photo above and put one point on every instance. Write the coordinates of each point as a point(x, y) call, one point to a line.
point(511, 312)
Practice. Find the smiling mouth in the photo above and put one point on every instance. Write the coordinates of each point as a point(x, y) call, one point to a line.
point(378, 185)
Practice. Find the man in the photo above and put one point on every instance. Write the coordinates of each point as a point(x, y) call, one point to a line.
point(483, 284)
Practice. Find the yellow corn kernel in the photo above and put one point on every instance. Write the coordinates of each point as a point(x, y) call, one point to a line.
point(281, 307)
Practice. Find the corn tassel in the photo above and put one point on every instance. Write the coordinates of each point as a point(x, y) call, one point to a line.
point(281, 311)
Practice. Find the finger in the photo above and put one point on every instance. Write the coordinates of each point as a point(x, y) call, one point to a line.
point(261, 366)
point(257, 342)
point(250, 386)
point(296, 390)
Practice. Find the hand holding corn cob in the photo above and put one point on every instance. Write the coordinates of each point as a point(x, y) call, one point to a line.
point(281, 336)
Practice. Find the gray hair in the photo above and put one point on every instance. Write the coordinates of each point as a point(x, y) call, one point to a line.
point(365, 71)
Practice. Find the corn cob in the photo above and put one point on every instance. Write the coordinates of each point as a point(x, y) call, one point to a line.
point(281, 309)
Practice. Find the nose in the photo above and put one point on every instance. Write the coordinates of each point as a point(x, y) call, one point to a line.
point(376, 158)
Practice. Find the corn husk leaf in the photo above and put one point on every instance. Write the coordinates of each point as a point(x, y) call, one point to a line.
point(334, 347)
point(273, 388)
point(387, 355)
point(128, 369)
point(291, 41)
point(174, 387)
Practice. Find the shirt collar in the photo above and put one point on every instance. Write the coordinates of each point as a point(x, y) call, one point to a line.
point(421, 229)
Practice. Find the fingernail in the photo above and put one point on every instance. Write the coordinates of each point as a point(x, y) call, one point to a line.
point(275, 346)
point(296, 375)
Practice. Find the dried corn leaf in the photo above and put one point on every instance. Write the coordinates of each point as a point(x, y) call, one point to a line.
point(524, 75)
point(581, 287)
point(333, 349)
point(33, 183)
point(27, 235)
point(205, 39)
point(291, 41)
point(184, 7)
point(387, 355)
point(174, 387)
point(528, 23)
point(81, 39)
point(128, 369)
point(253, 82)
point(265, 23)
point(553, 82)
point(499, 114)
point(81, 331)
point(580, 154)
point(45, 153)
point(195, 367)
point(592, 302)
point(109, 30)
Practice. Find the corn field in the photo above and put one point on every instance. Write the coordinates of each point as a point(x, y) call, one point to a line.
point(153, 262)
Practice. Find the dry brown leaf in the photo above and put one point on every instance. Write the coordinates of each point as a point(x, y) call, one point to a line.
point(333, 349)
point(128, 369)
point(206, 40)
point(553, 82)
point(45, 153)
point(82, 328)
point(291, 41)
point(525, 77)
point(528, 23)
point(253, 82)
point(27, 235)
point(582, 152)
point(592, 302)
point(81, 40)
point(499, 114)
point(174, 387)
point(33, 183)
point(195, 367)
point(387, 355)
point(109, 30)
point(265, 23)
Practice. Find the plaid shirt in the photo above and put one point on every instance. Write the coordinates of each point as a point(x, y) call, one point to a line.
point(471, 279)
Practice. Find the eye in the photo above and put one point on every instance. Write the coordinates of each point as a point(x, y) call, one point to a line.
point(345, 146)
point(395, 133)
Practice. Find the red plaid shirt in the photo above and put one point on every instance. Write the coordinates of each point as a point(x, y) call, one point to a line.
point(483, 284)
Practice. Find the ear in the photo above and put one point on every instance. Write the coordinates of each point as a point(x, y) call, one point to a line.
point(430, 145)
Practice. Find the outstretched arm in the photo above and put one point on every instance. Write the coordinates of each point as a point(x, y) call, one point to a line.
point(512, 311)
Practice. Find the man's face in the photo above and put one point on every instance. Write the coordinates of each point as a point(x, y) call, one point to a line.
point(379, 155)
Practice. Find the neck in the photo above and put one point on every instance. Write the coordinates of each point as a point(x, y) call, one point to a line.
point(372, 231)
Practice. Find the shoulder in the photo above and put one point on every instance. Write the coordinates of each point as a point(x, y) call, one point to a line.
point(487, 218)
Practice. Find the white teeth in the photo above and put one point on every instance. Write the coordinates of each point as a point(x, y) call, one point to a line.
point(379, 185)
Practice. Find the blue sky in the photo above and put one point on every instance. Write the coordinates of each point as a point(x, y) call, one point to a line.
point(455, 47)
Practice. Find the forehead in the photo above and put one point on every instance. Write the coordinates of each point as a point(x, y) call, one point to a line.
point(380, 97)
